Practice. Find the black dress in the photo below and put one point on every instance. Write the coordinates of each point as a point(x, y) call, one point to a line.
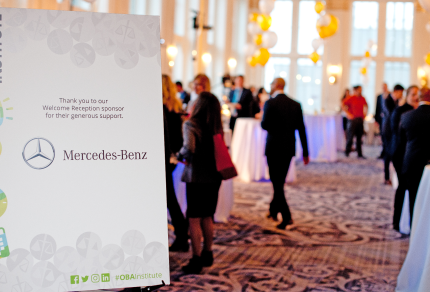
point(202, 178)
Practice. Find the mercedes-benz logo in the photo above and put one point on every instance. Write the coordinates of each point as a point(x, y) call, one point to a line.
point(39, 159)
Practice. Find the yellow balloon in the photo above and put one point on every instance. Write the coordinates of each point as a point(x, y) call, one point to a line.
point(427, 58)
point(319, 7)
point(263, 56)
point(363, 71)
point(314, 57)
point(367, 54)
point(252, 61)
point(265, 21)
point(258, 39)
point(329, 30)
point(253, 17)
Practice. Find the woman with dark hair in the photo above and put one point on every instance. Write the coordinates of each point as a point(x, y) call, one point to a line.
point(202, 178)
point(260, 100)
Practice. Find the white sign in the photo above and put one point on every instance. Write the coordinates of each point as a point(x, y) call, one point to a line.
point(82, 179)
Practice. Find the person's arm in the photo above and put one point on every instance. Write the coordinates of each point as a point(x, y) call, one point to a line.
point(346, 104)
point(303, 138)
point(402, 138)
point(395, 121)
point(246, 104)
point(189, 146)
point(267, 122)
point(378, 110)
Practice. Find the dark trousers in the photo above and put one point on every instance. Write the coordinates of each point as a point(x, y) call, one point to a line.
point(400, 192)
point(355, 128)
point(412, 181)
point(178, 220)
point(278, 170)
point(387, 157)
point(232, 123)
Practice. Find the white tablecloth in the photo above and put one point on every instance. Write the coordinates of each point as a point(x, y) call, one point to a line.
point(247, 151)
point(322, 134)
point(225, 196)
point(415, 273)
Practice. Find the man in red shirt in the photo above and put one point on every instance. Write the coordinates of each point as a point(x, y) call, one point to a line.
point(355, 108)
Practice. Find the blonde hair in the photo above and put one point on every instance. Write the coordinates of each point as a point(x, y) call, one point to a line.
point(170, 100)
point(204, 79)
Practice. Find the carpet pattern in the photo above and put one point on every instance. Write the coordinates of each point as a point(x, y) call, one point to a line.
point(341, 240)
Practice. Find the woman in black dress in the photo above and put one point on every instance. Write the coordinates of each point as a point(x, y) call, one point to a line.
point(200, 174)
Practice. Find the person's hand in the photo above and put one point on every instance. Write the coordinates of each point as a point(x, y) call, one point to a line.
point(184, 162)
point(238, 106)
point(306, 160)
point(350, 116)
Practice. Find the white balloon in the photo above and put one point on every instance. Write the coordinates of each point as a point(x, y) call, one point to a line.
point(425, 4)
point(250, 50)
point(266, 6)
point(317, 43)
point(324, 20)
point(366, 62)
point(370, 45)
point(269, 39)
point(428, 26)
point(254, 28)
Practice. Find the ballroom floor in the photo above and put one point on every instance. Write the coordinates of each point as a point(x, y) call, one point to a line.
point(341, 241)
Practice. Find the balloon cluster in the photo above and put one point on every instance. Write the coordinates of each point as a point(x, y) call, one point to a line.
point(327, 26)
point(371, 45)
point(259, 24)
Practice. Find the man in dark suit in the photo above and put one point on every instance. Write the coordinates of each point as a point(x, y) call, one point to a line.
point(397, 151)
point(185, 97)
point(282, 117)
point(415, 132)
point(379, 113)
point(243, 101)
point(390, 104)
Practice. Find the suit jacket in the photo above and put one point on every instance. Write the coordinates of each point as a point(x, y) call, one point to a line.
point(389, 106)
point(379, 106)
point(415, 131)
point(397, 150)
point(282, 117)
point(246, 101)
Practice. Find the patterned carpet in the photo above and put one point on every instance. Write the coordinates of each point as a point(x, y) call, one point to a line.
point(341, 240)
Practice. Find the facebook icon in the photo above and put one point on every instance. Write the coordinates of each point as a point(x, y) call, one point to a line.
point(74, 280)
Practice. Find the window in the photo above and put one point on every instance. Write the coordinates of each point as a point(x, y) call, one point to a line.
point(180, 13)
point(82, 4)
point(399, 25)
point(211, 21)
point(367, 82)
point(307, 28)
point(276, 67)
point(397, 73)
point(282, 22)
point(308, 86)
point(137, 7)
point(364, 26)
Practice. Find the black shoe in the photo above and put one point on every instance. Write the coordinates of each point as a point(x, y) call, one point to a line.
point(194, 266)
point(284, 224)
point(361, 157)
point(179, 245)
point(274, 217)
point(207, 258)
point(347, 154)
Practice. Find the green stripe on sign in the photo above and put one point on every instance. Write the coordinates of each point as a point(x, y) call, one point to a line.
point(2, 196)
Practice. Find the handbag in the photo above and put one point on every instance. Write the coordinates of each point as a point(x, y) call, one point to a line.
point(224, 165)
